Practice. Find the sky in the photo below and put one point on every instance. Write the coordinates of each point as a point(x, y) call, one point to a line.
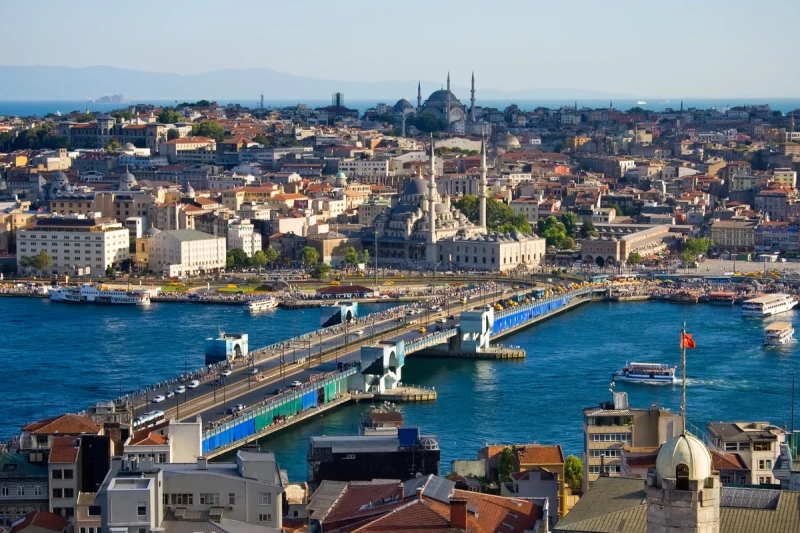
point(670, 48)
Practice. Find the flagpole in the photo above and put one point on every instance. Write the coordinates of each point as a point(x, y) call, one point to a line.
point(683, 361)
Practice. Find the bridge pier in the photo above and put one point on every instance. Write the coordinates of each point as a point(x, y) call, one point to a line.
point(476, 331)
point(381, 367)
point(226, 347)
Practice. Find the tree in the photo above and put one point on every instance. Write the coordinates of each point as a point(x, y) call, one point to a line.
point(112, 145)
point(262, 140)
point(505, 464)
point(41, 261)
point(122, 115)
point(588, 229)
point(499, 216)
point(698, 246)
point(259, 259)
point(236, 258)
point(91, 142)
point(271, 255)
point(363, 257)
point(634, 258)
point(109, 271)
point(173, 134)
point(309, 256)
point(320, 271)
point(687, 256)
point(426, 123)
point(636, 110)
point(570, 221)
point(209, 129)
point(351, 256)
point(552, 230)
point(567, 243)
point(573, 472)
point(169, 116)
point(84, 117)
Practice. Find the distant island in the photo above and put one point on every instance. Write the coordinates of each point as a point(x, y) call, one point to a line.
point(113, 99)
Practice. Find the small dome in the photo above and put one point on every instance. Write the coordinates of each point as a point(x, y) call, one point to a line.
point(441, 208)
point(402, 104)
point(508, 141)
point(152, 231)
point(128, 146)
point(685, 449)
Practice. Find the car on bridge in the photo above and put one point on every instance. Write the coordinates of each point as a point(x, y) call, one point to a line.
point(255, 371)
point(296, 384)
point(158, 399)
point(181, 389)
point(170, 394)
point(226, 373)
point(193, 384)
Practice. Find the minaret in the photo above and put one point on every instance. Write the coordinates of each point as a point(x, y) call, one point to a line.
point(472, 99)
point(448, 81)
point(431, 252)
point(482, 186)
point(419, 94)
point(681, 106)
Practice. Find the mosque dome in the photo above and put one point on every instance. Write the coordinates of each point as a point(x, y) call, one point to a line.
point(442, 95)
point(341, 179)
point(685, 449)
point(189, 190)
point(128, 146)
point(127, 181)
point(402, 104)
point(507, 141)
point(152, 231)
point(417, 187)
point(441, 208)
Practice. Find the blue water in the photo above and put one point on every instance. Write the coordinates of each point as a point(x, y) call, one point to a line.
point(61, 358)
point(42, 107)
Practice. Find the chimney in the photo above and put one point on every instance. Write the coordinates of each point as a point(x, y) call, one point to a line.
point(458, 513)
point(402, 488)
point(202, 463)
point(419, 493)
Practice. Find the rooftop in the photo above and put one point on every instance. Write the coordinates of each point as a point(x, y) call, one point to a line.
point(65, 450)
point(67, 424)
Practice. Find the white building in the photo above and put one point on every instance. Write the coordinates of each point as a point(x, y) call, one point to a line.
point(364, 167)
point(186, 252)
point(757, 443)
point(189, 150)
point(167, 442)
point(74, 242)
point(139, 496)
point(241, 236)
point(527, 206)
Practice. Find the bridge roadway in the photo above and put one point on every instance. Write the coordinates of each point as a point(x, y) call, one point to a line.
point(241, 387)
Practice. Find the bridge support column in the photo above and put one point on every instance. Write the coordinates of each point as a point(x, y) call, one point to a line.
point(381, 367)
point(476, 329)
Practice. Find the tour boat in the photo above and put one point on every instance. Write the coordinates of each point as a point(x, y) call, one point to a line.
point(722, 298)
point(261, 303)
point(87, 293)
point(769, 304)
point(778, 334)
point(656, 373)
point(684, 297)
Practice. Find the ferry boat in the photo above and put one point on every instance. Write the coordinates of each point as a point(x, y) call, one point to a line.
point(778, 334)
point(769, 304)
point(684, 297)
point(721, 298)
point(655, 373)
point(261, 303)
point(88, 293)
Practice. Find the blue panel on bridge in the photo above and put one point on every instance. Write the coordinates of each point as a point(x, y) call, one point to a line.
point(310, 399)
point(529, 312)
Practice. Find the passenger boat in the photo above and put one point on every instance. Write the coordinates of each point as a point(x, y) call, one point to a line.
point(87, 293)
point(684, 297)
point(778, 333)
point(655, 373)
point(769, 304)
point(721, 298)
point(261, 303)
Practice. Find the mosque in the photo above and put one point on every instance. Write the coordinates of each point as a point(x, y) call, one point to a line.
point(424, 227)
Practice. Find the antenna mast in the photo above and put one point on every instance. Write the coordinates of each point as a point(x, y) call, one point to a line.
point(683, 385)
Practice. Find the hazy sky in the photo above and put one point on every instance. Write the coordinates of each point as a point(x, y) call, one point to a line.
point(671, 48)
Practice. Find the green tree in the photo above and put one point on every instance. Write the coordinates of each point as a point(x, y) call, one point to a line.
point(588, 229)
point(573, 472)
point(259, 259)
point(230, 260)
point(236, 258)
point(570, 221)
point(209, 129)
point(263, 140)
point(351, 256)
point(122, 115)
point(170, 116)
point(637, 110)
point(271, 255)
point(552, 230)
point(109, 271)
point(687, 256)
point(84, 117)
point(41, 261)
point(91, 142)
point(320, 271)
point(698, 246)
point(567, 243)
point(426, 123)
point(499, 216)
point(112, 145)
point(309, 256)
point(173, 134)
point(363, 257)
point(634, 258)
point(505, 464)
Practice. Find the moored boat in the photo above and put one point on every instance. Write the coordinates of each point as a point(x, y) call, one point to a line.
point(721, 298)
point(768, 304)
point(684, 297)
point(261, 303)
point(778, 333)
point(654, 373)
point(88, 293)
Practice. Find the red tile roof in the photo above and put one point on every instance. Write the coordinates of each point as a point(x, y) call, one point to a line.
point(496, 514)
point(367, 499)
point(727, 461)
point(641, 461)
point(414, 516)
point(42, 519)
point(537, 454)
point(67, 424)
point(148, 436)
point(65, 450)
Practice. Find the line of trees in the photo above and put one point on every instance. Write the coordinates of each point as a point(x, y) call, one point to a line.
point(237, 258)
point(499, 216)
point(38, 262)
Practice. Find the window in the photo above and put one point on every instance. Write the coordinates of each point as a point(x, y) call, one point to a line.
point(265, 517)
point(68, 473)
point(264, 498)
point(58, 493)
point(91, 530)
point(58, 473)
point(37, 490)
point(731, 446)
point(165, 499)
point(94, 510)
point(764, 480)
point(182, 499)
point(20, 490)
point(231, 498)
point(83, 530)
point(762, 446)
point(4, 490)
point(162, 458)
point(594, 469)
point(765, 464)
point(211, 498)
point(69, 493)
point(141, 511)
point(142, 530)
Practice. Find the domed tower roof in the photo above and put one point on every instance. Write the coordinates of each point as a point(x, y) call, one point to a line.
point(686, 450)
point(402, 104)
point(340, 179)
point(128, 146)
point(127, 180)
point(416, 187)
point(442, 95)
point(152, 231)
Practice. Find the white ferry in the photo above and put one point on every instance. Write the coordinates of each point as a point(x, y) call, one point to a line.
point(769, 304)
point(87, 293)
point(646, 373)
point(778, 334)
point(261, 303)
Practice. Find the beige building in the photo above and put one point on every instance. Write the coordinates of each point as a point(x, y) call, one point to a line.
point(371, 209)
point(234, 198)
point(612, 426)
point(758, 444)
point(75, 242)
point(64, 473)
point(332, 246)
point(733, 234)
point(242, 236)
point(189, 150)
point(186, 252)
point(527, 206)
point(785, 176)
point(610, 251)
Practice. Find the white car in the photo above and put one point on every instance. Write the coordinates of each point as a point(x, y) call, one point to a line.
point(239, 407)
point(226, 373)
point(441, 321)
point(170, 394)
point(297, 383)
point(181, 389)
point(193, 384)
point(255, 371)
point(158, 399)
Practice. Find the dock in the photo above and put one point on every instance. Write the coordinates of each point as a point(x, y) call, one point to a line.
point(402, 394)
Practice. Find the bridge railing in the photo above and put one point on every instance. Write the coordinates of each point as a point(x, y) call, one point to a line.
point(430, 340)
point(544, 301)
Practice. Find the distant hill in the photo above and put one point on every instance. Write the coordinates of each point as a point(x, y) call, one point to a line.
point(89, 83)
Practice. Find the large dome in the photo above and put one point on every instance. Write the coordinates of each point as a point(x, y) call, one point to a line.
point(508, 141)
point(685, 449)
point(402, 104)
point(417, 186)
point(442, 95)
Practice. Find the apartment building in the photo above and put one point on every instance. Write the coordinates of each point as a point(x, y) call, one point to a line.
point(527, 206)
point(758, 444)
point(189, 150)
point(64, 473)
point(365, 167)
point(733, 234)
point(23, 487)
point(611, 426)
point(74, 242)
point(185, 252)
point(242, 236)
point(167, 442)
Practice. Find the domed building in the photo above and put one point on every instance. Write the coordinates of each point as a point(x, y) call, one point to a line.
point(127, 181)
point(403, 107)
point(340, 180)
point(507, 142)
point(445, 106)
point(60, 186)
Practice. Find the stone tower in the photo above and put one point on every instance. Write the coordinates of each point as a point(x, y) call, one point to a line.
point(683, 494)
point(431, 250)
point(482, 186)
point(419, 94)
point(472, 100)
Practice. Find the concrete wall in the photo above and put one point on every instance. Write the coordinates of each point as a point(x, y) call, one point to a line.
point(469, 467)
